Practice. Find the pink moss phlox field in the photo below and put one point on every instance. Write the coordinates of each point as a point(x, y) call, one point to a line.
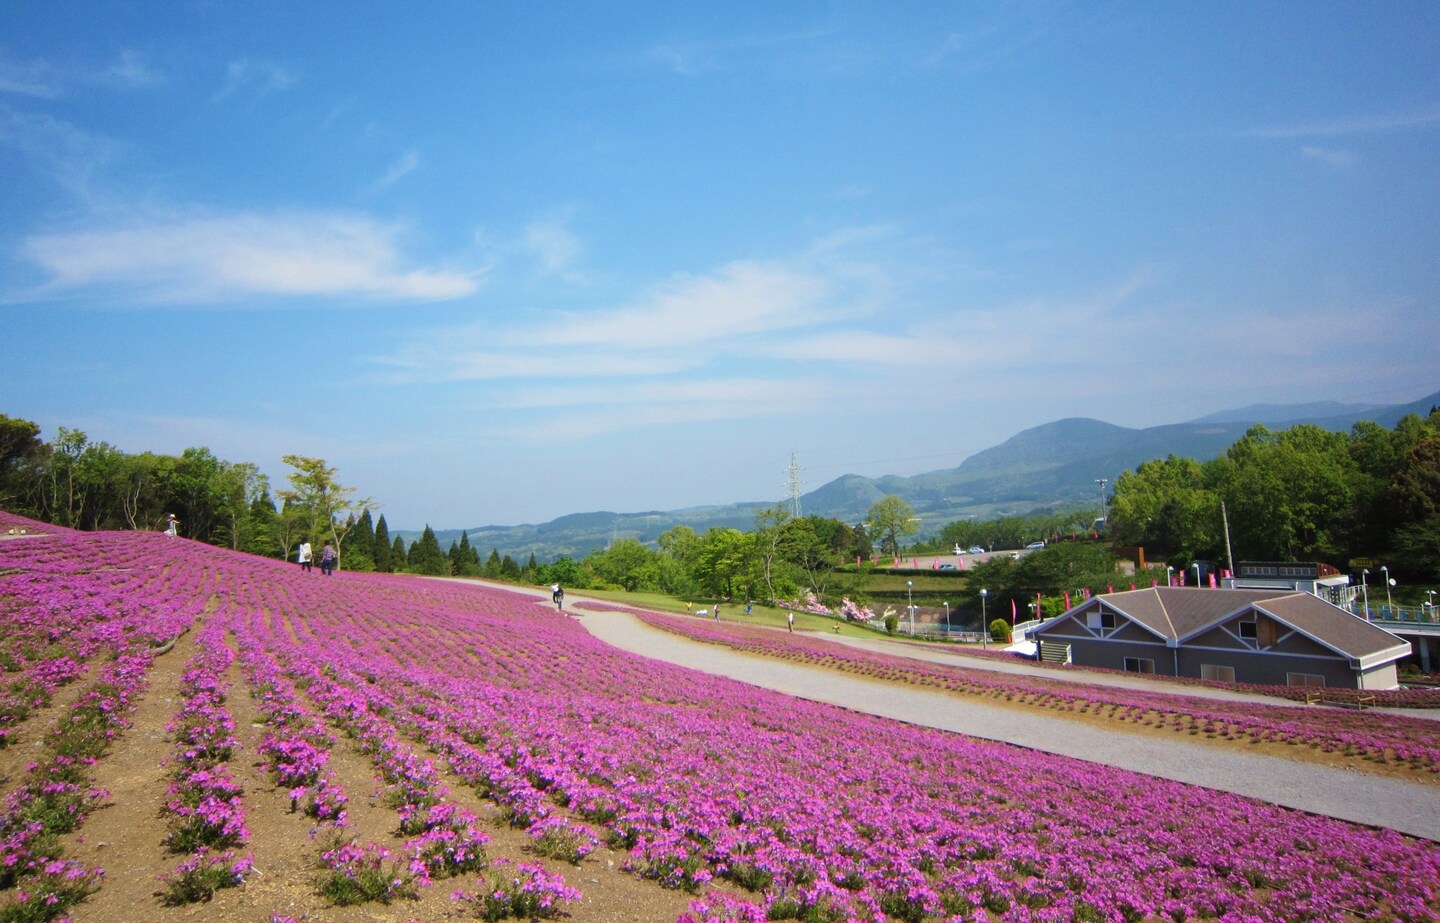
point(1398, 740)
point(798, 810)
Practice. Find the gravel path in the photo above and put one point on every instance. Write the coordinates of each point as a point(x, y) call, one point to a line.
point(1409, 807)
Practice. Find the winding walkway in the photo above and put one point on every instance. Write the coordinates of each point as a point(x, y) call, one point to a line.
point(1409, 807)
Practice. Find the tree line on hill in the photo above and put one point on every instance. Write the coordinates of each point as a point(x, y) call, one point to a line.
point(1302, 494)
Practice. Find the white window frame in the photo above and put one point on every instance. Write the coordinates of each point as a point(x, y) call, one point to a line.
point(1217, 673)
point(1305, 680)
point(1139, 664)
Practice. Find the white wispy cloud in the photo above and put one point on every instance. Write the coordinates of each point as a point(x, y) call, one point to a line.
point(44, 80)
point(132, 70)
point(1354, 125)
point(215, 258)
point(259, 77)
point(35, 79)
point(1329, 156)
point(68, 155)
point(407, 163)
point(551, 242)
point(740, 299)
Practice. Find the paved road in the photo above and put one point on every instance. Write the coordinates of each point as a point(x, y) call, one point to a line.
point(1409, 807)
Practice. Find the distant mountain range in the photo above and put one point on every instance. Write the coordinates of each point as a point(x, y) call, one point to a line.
point(1053, 465)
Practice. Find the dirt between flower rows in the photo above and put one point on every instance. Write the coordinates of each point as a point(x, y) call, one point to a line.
point(126, 835)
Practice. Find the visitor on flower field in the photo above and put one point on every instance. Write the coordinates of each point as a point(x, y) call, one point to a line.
point(717, 611)
point(327, 560)
point(172, 525)
point(555, 593)
point(305, 557)
point(790, 621)
point(559, 597)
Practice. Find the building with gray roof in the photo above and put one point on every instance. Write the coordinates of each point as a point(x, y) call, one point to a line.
point(1270, 637)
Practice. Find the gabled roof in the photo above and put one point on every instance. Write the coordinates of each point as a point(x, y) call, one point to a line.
point(1179, 614)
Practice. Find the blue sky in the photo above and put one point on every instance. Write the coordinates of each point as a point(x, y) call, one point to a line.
point(502, 262)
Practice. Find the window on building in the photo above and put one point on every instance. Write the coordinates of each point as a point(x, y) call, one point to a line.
point(1139, 665)
point(1100, 619)
point(1249, 630)
point(1217, 673)
point(1305, 679)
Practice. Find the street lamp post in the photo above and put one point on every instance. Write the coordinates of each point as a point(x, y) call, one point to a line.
point(984, 622)
point(1102, 482)
point(910, 599)
point(1196, 565)
point(1169, 575)
point(1389, 602)
point(1365, 591)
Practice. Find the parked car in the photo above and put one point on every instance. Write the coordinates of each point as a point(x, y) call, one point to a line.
point(976, 549)
point(947, 567)
point(1034, 546)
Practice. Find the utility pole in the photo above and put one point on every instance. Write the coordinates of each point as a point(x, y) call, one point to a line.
point(1229, 555)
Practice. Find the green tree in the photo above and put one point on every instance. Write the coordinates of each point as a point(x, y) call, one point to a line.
point(1289, 494)
point(565, 571)
point(805, 547)
point(326, 502)
point(1166, 505)
point(626, 563)
point(1414, 501)
point(234, 491)
point(361, 556)
point(427, 558)
point(383, 563)
point(725, 558)
point(399, 559)
point(769, 541)
point(890, 518)
point(464, 559)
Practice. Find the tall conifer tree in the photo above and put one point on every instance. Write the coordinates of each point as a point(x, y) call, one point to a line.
point(382, 547)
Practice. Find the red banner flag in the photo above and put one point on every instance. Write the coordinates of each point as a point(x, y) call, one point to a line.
point(1067, 599)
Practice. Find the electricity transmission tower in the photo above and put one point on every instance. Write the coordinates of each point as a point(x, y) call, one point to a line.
point(794, 487)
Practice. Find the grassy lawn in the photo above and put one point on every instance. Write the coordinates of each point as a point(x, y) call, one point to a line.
point(735, 612)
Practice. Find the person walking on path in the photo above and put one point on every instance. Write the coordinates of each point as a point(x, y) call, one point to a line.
point(305, 557)
point(327, 559)
point(172, 525)
point(559, 597)
point(717, 612)
point(790, 621)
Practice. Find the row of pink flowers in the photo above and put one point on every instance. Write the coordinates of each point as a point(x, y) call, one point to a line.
point(204, 804)
point(1399, 741)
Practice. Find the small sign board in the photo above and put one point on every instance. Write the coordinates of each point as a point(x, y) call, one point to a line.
point(1357, 563)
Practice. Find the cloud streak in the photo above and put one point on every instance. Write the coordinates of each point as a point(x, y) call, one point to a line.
point(216, 258)
point(1356, 125)
point(260, 77)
